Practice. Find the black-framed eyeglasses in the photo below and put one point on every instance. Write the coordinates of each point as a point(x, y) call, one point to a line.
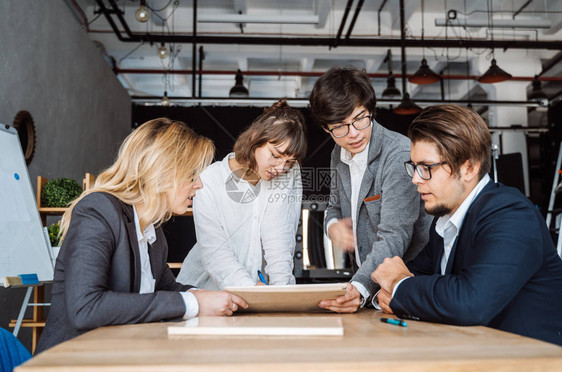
point(343, 129)
point(424, 170)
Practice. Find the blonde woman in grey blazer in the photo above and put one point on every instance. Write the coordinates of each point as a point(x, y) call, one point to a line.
point(112, 267)
point(374, 210)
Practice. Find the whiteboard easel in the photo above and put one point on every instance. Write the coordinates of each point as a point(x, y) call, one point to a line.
point(24, 248)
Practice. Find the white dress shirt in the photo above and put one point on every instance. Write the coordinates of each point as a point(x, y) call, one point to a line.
point(448, 226)
point(357, 165)
point(147, 281)
point(239, 226)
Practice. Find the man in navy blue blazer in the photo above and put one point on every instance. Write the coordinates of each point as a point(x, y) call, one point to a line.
point(490, 259)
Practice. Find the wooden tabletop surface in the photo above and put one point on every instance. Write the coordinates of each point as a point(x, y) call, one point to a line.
point(367, 344)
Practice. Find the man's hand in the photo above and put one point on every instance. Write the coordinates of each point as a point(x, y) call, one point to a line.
point(218, 303)
point(390, 272)
point(384, 299)
point(348, 303)
point(341, 234)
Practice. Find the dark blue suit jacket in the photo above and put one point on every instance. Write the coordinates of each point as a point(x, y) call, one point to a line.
point(503, 271)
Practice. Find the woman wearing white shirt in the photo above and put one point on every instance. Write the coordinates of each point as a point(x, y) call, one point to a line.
point(247, 213)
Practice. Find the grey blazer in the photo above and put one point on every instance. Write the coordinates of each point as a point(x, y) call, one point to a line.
point(391, 221)
point(97, 274)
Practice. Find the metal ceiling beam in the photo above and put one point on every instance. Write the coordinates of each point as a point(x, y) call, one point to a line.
point(354, 19)
point(379, 15)
point(300, 102)
point(312, 41)
point(355, 42)
point(522, 8)
point(403, 45)
point(462, 21)
point(194, 49)
point(260, 18)
point(307, 74)
point(342, 24)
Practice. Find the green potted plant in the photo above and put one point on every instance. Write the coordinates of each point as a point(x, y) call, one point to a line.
point(54, 230)
point(54, 237)
point(60, 192)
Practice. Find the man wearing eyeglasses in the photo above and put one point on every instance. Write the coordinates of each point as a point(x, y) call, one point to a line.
point(374, 211)
point(490, 259)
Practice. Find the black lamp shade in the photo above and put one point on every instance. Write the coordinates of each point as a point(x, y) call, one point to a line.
point(424, 75)
point(494, 75)
point(537, 93)
point(407, 107)
point(391, 91)
point(239, 90)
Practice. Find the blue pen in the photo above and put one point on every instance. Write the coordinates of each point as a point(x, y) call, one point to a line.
point(397, 322)
point(261, 277)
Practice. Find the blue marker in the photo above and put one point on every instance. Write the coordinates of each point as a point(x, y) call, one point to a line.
point(17, 176)
point(397, 322)
point(262, 279)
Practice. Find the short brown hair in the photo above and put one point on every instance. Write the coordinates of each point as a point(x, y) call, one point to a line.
point(277, 124)
point(338, 92)
point(459, 133)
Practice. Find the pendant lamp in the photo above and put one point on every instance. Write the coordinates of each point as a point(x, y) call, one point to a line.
point(424, 75)
point(494, 74)
point(239, 90)
point(407, 106)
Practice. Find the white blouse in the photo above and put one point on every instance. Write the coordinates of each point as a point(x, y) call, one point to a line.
point(242, 228)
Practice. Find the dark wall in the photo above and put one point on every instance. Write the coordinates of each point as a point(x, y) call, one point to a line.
point(223, 125)
point(50, 68)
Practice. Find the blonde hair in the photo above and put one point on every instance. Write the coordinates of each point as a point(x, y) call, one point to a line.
point(157, 157)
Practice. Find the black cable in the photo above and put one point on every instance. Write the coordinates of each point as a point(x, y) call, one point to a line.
point(93, 20)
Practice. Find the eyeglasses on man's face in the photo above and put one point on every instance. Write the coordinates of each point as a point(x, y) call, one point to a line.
point(424, 170)
point(341, 130)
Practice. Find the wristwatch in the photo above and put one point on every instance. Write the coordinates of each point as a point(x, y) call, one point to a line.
point(363, 300)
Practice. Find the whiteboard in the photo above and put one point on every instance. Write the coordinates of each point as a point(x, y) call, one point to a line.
point(23, 245)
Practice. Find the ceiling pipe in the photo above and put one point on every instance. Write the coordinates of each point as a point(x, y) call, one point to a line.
point(355, 42)
point(194, 49)
point(403, 45)
point(260, 18)
point(119, 13)
point(461, 21)
point(343, 20)
point(379, 15)
point(320, 41)
point(301, 102)
point(201, 58)
point(354, 19)
point(522, 8)
point(406, 106)
point(308, 74)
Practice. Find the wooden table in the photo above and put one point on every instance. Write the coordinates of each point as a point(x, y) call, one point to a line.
point(366, 345)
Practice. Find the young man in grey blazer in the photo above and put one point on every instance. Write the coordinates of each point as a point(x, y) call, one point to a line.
point(374, 210)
